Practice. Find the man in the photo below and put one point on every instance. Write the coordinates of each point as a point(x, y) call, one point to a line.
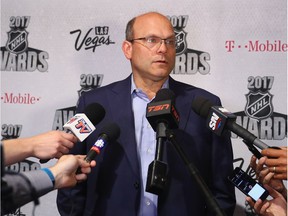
point(117, 185)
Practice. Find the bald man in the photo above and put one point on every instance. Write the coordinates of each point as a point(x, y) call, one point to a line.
point(117, 184)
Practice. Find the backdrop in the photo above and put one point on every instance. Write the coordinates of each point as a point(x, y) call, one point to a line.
point(52, 51)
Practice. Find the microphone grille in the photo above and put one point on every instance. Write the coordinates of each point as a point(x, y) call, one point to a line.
point(201, 106)
point(112, 131)
point(164, 94)
point(95, 113)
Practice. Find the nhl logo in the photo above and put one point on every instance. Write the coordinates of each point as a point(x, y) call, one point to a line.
point(259, 105)
point(84, 90)
point(181, 43)
point(17, 41)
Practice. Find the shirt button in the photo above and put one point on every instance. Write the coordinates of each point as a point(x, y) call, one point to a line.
point(148, 203)
point(150, 150)
point(136, 185)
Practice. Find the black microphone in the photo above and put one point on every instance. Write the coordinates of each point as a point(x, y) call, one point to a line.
point(219, 118)
point(162, 110)
point(109, 133)
point(81, 125)
point(162, 115)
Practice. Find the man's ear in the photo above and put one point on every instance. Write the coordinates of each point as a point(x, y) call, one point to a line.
point(127, 49)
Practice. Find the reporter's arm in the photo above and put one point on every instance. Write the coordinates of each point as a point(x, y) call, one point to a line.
point(26, 187)
point(29, 186)
point(52, 144)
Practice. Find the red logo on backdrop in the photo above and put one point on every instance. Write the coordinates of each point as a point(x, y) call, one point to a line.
point(17, 41)
point(259, 105)
point(19, 98)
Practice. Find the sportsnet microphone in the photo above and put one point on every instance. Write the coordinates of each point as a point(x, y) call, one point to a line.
point(109, 133)
point(218, 119)
point(82, 124)
point(162, 115)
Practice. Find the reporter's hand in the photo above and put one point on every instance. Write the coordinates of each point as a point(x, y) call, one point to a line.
point(264, 176)
point(64, 170)
point(276, 158)
point(275, 207)
point(52, 144)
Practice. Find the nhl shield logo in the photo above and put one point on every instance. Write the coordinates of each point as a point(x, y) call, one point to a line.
point(84, 90)
point(259, 105)
point(17, 41)
point(181, 43)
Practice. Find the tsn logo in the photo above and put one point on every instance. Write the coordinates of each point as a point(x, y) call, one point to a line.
point(165, 107)
point(158, 107)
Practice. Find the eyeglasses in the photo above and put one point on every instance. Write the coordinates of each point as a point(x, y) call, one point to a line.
point(151, 42)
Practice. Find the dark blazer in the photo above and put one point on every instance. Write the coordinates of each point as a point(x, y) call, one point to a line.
point(113, 187)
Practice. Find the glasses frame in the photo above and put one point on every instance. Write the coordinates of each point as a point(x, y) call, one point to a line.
point(145, 39)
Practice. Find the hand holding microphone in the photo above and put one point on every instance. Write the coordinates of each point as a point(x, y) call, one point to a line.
point(50, 144)
point(81, 125)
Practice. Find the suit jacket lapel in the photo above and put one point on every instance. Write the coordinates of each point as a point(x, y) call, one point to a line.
point(125, 118)
point(183, 106)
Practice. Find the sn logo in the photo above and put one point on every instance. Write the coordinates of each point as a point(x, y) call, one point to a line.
point(214, 121)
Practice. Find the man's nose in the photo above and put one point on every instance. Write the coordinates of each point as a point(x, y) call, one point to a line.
point(162, 47)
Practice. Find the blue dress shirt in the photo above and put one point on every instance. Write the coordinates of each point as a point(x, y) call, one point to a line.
point(146, 145)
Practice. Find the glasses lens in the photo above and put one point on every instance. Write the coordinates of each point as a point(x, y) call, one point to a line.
point(170, 42)
point(152, 41)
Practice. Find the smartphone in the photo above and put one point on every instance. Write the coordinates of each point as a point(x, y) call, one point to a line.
point(248, 185)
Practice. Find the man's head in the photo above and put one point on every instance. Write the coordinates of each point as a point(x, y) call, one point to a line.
point(150, 46)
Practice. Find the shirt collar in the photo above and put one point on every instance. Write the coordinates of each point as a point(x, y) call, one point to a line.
point(134, 88)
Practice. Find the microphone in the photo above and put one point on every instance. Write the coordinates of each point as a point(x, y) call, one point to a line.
point(82, 124)
point(219, 118)
point(162, 110)
point(162, 115)
point(109, 133)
